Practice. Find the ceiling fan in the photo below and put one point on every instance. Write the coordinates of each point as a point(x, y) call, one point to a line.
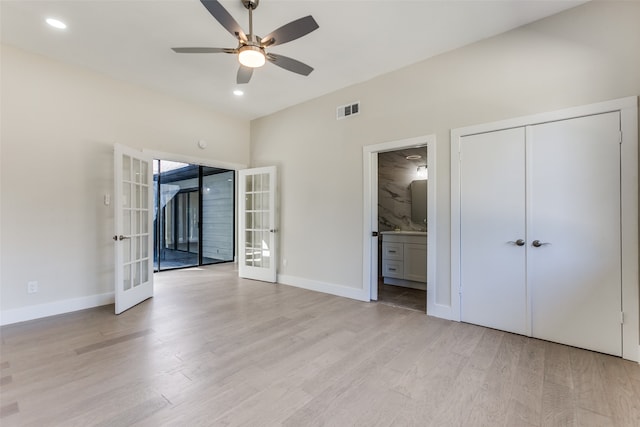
point(252, 50)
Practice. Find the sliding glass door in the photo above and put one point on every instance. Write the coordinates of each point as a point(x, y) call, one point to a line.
point(194, 215)
point(217, 215)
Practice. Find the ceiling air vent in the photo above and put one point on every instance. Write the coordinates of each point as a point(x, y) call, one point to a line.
point(344, 111)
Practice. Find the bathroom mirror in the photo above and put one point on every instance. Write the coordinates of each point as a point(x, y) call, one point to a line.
point(419, 202)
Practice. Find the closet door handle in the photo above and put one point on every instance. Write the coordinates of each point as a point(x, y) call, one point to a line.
point(519, 242)
point(538, 243)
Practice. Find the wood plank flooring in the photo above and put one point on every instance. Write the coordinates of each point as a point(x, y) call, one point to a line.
point(214, 350)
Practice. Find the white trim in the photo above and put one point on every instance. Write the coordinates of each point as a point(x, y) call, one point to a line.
point(456, 135)
point(438, 310)
point(327, 288)
point(370, 213)
point(370, 210)
point(8, 317)
point(630, 243)
point(628, 108)
point(419, 141)
point(550, 116)
point(160, 155)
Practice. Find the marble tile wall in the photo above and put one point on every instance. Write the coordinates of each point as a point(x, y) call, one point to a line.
point(395, 174)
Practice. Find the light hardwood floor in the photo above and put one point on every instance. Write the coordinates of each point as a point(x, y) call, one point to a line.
point(211, 349)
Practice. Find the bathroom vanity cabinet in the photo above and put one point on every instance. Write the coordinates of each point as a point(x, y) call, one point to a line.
point(404, 258)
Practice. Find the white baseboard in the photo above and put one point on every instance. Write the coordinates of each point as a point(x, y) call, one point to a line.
point(32, 312)
point(438, 310)
point(327, 288)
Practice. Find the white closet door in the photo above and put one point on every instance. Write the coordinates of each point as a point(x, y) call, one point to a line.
point(574, 189)
point(492, 220)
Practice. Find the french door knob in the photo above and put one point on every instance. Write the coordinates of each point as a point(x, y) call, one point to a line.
point(520, 242)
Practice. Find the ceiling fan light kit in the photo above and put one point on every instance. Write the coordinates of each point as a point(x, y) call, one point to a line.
point(251, 49)
point(251, 56)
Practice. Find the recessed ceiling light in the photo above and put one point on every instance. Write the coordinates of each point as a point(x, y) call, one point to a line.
point(238, 92)
point(56, 23)
point(414, 157)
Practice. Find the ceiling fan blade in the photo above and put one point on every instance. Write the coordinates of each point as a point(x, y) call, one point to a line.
point(224, 18)
point(289, 64)
point(202, 50)
point(244, 74)
point(291, 31)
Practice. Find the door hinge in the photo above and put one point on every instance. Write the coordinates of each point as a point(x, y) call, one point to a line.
point(620, 137)
point(622, 317)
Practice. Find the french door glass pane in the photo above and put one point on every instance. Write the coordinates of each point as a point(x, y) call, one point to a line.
point(126, 195)
point(126, 277)
point(126, 222)
point(126, 168)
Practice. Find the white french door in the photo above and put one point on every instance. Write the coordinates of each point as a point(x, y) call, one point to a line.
point(133, 239)
point(540, 231)
point(257, 224)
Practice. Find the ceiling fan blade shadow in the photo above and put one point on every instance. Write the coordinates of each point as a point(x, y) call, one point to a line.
point(289, 64)
point(203, 50)
point(224, 18)
point(244, 74)
point(291, 31)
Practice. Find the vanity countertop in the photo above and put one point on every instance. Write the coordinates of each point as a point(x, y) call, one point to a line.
point(405, 233)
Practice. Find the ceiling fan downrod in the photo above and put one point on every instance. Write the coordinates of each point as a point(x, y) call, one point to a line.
point(250, 5)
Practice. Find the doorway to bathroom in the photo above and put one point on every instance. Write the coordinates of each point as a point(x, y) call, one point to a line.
point(402, 223)
point(399, 220)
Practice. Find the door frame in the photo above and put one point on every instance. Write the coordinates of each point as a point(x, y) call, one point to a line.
point(628, 108)
point(235, 167)
point(370, 215)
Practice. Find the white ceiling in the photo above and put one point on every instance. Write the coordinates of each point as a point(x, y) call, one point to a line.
point(357, 40)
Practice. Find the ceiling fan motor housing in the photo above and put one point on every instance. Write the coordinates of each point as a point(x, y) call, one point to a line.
point(250, 4)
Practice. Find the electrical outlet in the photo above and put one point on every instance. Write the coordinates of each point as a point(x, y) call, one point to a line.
point(32, 287)
point(284, 262)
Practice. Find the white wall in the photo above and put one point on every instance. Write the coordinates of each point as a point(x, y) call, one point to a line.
point(59, 124)
point(585, 55)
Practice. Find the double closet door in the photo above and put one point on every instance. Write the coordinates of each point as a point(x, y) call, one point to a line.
point(540, 231)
